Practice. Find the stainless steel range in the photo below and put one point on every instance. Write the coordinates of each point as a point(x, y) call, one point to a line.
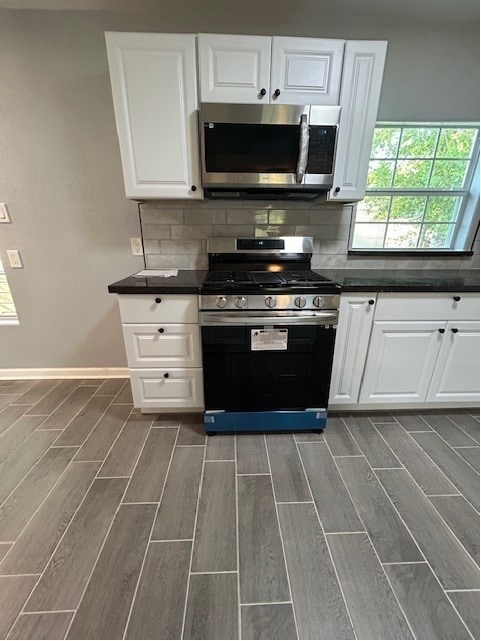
point(268, 329)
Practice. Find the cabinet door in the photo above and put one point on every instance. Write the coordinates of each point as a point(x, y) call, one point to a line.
point(167, 345)
point(234, 68)
point(168, 389)
point(400, 362)
point(153, 79)
point(352, 340)
point(456, 376)
point(360, 91)
point(306, 71)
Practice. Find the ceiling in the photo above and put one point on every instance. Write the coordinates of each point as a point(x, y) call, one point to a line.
point(436, 10)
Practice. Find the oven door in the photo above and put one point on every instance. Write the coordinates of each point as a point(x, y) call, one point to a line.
point(259, 362)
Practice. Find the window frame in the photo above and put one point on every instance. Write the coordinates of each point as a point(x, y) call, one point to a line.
point(468, 214)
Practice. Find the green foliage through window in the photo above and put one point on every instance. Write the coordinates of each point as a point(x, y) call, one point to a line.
point(417, 183)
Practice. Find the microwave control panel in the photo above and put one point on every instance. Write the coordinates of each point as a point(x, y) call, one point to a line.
point(322, 141)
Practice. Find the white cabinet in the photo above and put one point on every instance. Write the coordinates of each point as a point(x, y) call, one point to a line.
point(306, 71)
point(234, 68)
point(262, 69)
point(360, 92)
point(163, 346)
point(356, 313)
point(401, 360)
point(456, 376)
point(153, 78)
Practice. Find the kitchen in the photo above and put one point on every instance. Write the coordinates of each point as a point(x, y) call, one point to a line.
point(418, 420)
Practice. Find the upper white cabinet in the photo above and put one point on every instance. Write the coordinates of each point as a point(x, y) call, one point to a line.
point(261, 69)
point(306, 71)
point(234, 68)
point(153, 79)
point(360, 92)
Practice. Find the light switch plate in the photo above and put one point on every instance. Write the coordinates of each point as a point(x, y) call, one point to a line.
point(4, 215)
point(14, 258)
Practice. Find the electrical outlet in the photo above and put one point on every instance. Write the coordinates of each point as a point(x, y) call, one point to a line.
point(14, 258)
point(4, 215)
point(136, 244)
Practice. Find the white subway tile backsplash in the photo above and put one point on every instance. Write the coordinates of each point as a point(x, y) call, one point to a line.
point(162, 215)
point(156, 232)
point(246, 216)
point(204, 217)
point(167, 260)
point(289, 217)
point(185, 247)
point(233, 230)
point(191, 231)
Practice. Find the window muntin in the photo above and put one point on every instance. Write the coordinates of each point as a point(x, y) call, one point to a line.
point(418, 182)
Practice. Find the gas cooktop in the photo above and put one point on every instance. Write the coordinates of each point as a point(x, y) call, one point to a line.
point(252, 281)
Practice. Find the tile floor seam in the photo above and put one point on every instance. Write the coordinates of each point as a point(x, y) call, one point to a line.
point(447, 593)
point(215, 572)
point(372, 544)
point(95, 562)
point(325, 536)
point(73, 417)
point(236, 490)
point(199, 492)
point(95, 425)
point(462, 430)
point(442, 519)
point(169, 540)
point(432, 461)
point(134, 467)
point(267, 603)
point(112, 445)
point(58, 542)
point(280, 531)
point(149, 540)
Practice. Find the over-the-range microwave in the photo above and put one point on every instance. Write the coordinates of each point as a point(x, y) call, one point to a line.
point(284, 151)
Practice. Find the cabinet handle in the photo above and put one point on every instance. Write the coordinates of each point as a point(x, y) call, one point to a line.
point(263, 92)
point(166, 375)
point(277, 93)
point(457, 298)
point(455, 330)
point(371, 301)
point(441, 330)
point(194, 188)
point(161, 330)
point(158, 300)
point(337, 190)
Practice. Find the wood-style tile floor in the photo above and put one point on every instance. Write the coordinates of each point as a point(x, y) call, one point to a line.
point(115, 524)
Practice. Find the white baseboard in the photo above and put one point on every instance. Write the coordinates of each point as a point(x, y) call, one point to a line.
point(65, 372)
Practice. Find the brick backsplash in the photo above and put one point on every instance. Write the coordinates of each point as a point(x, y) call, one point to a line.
point(175, 233)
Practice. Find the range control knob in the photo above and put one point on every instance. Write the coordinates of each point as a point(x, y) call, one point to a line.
point(221, 301)
point(300, 301)
point(240, 302)
point(271, 301)
point(318, 301)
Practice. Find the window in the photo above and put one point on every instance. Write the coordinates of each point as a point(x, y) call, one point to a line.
point(418, 189)
point(8, 313)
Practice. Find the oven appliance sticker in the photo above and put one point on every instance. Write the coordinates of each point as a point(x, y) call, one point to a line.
point(268, 339)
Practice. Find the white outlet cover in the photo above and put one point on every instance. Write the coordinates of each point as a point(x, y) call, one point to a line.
point(14, 258)
point(136, 244)
point(4, 215)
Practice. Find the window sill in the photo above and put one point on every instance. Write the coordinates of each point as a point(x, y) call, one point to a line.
point(407, 252)
point(8, 321)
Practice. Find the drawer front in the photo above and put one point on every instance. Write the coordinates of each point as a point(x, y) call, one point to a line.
point(171, 308)
point(414, 307)
point(160, 345)
point(182, 389)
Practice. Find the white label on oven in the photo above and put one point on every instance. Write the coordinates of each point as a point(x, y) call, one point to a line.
point(268, 339)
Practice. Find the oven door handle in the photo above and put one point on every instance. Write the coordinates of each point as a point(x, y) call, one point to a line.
point(303, 149)
point(255, 319)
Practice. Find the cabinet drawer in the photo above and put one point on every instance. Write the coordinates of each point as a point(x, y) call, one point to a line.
point(171, 308)
point(160, 345)
point(418, 307)
point(169, 388)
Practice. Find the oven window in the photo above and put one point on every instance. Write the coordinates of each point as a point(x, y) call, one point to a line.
point(238, 379)
point(244, 148)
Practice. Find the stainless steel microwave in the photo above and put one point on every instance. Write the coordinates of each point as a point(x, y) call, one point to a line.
point(267, 148)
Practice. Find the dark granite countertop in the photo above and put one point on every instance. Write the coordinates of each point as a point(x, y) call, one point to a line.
point(187, 281)
point(404, 280)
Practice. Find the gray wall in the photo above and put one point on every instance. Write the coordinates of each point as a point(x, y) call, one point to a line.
point(59, 158)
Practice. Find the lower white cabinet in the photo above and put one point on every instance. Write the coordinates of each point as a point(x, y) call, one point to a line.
point(456, 376)
point(356, 313)
point(400, 361)
point(163, 347)
point(172, 389)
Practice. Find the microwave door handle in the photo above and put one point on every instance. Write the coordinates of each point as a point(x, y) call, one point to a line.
point(303, 149)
